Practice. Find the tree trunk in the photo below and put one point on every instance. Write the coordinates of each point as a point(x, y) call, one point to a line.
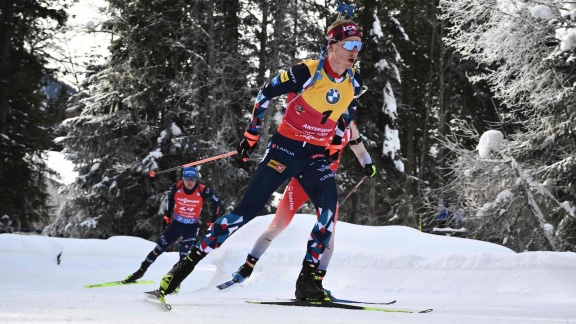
point(372, 202)
point(444, 113)
point(210, 51)
point(263, 39)
point(6, 41)
point(427, 113)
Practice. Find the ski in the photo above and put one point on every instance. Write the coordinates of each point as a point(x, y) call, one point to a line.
point(119, 283)
point(326, 304)
point(347, 301)
point(155, 294)
point(226, 284)
point(236, 278)
point(334, 299)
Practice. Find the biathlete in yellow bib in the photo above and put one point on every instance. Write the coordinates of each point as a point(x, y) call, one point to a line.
point(308, 139)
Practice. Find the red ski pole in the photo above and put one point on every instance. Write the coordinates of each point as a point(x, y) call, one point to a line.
point(353, 189)
point(153, 174)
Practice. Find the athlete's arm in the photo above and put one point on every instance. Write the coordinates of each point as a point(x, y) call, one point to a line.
point(209, 195)
point(292, 80)
point(171, 195)
point(357, 146)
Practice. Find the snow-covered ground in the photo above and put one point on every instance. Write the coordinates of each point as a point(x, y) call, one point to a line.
point(464, 281)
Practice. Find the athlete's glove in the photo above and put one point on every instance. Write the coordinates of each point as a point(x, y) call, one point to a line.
point(247, 144)
point(167, 220)
point(370, 170)
point(333, 149)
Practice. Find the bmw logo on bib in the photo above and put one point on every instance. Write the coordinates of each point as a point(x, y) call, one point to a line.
point(333, 96)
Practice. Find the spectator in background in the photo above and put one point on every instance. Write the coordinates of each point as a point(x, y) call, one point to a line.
point(445, 214)
point(456, 216)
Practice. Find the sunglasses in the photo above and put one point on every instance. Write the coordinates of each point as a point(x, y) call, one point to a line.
point(349, 45)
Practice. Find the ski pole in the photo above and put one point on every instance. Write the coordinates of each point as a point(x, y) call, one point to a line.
point(153, 174)
point(353, 189)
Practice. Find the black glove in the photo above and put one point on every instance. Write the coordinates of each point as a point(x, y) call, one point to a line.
point(166, 220)
point(370, 170)
point(333, 149)
point(247, 144)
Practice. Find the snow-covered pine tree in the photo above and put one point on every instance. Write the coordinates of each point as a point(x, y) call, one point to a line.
point(434, 90)
point(26, 31)
point(530, 50)
point(379, 64)
point(282, 33)
point(170, 94)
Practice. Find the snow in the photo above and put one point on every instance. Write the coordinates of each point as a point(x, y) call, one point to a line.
point(162, 136)
point(490, 141)
point(376, 28)
point(568, 39)
point(504, 195)
point(463, 280)
point(391, 146)
point(95, 167)
point(389, 107)
point(541, 12)
point(150, 160)
point(400, 29)
point(176, 131)
point(382, 65)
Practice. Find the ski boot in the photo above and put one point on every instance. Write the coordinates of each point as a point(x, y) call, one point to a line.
point(306, 289)
point(171, 281)
point(245, 270)
point(135, 276)
point(156, 292)
point(318, 277)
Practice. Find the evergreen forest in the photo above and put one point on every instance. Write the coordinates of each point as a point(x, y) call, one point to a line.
point(180, 82)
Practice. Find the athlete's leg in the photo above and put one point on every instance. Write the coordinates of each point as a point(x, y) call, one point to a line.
point(327, 255)
point(325, 260)
point(279, 165)
point(167, 238)
point(320, 185)
point(189, 233)
point(293, 197)
point(318, 182)
point(263, 183)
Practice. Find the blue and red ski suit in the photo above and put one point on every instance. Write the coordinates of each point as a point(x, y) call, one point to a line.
point(184, 207)
point(314, 115)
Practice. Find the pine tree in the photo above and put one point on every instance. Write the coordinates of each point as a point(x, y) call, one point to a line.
point(531, 58)
point(432, 89)
point(26, 28)
point(169, 95)
point(379, 64)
